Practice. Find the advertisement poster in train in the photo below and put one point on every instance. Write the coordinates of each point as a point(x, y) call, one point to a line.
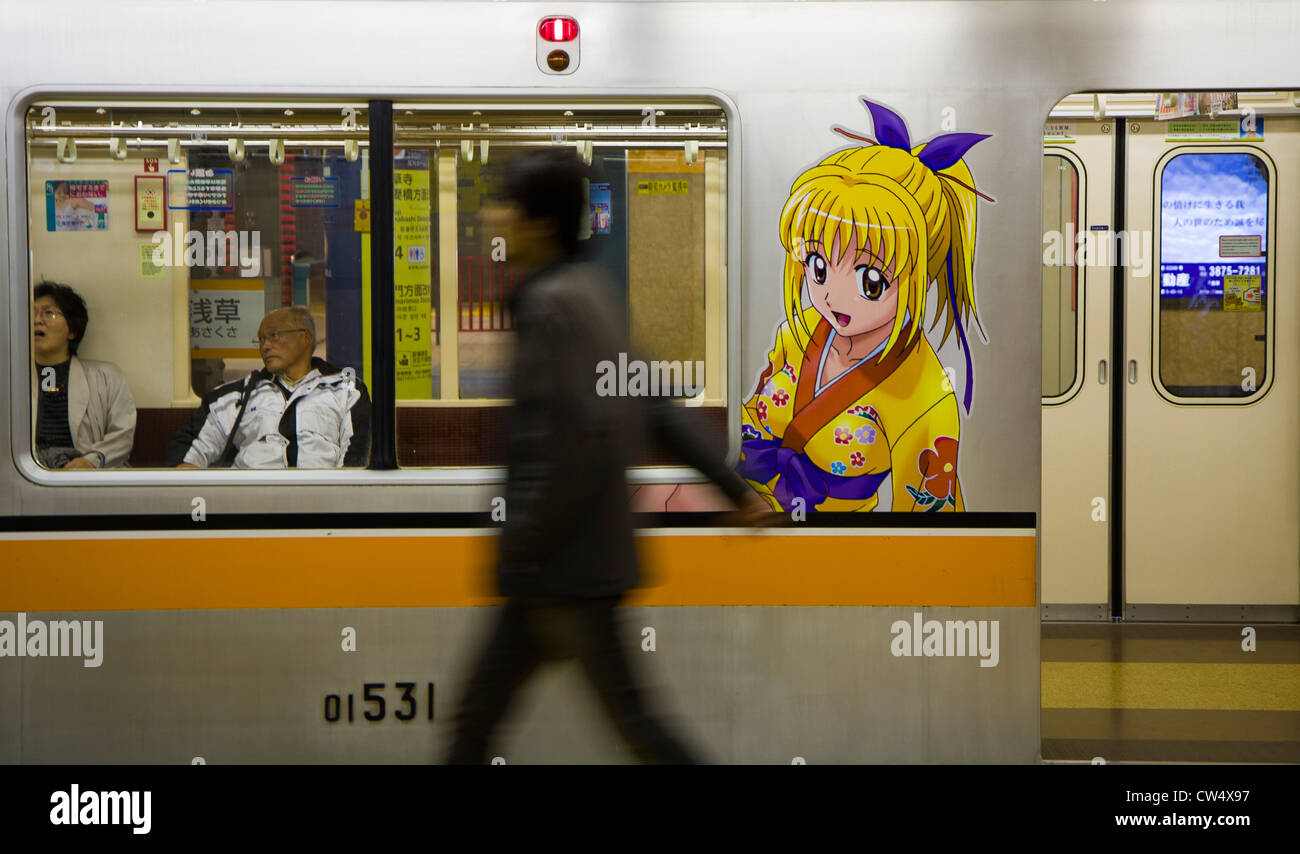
point(600, 208)
point(200, 189)
point(1248, 126)
point(876, 238)
point(76, 205)
point(412, 274)
point(1213, 222)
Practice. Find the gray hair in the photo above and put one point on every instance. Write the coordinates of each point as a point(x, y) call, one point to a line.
point(302, 316)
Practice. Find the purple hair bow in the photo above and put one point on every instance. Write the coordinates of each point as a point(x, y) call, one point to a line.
point(939, 153)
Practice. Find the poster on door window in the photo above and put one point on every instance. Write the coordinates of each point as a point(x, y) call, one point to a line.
point(76, 206)
point(1241, 245)
point(1242, 293)
point(1214, 228)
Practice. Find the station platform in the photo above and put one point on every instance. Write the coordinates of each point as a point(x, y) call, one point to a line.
point(1144, 692)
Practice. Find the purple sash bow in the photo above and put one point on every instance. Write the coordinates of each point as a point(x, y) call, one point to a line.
point(800, 477)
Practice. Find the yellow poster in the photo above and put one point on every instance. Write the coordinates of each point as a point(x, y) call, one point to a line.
point(412, 276)
point(1242, 293)
point(149, 269)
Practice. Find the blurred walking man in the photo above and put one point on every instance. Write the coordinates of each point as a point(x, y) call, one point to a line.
point(567, 547)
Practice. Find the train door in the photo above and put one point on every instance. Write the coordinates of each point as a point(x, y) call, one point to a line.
point(1211, 505)
point(1171, 462)
point(1078, 185)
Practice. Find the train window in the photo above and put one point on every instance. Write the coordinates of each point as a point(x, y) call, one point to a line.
point(657, 226)
point(182, 226)
point(1214, 294)
point(1060, 281)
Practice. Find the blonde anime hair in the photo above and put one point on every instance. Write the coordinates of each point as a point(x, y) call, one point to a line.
point(885, 201)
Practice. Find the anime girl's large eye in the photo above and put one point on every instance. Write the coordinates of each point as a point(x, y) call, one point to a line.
point(816, 267)
point(872, 283)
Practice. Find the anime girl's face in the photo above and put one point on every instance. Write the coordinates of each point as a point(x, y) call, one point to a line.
point(854, 292)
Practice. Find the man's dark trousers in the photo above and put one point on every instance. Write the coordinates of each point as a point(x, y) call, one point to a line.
point(526, 635)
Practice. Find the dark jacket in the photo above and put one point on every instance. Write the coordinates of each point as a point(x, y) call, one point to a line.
point(568, 529)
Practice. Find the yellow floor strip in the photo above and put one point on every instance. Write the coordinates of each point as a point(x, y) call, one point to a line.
point(1170, 685)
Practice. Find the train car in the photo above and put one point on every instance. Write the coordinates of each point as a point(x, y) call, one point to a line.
point(188, 169)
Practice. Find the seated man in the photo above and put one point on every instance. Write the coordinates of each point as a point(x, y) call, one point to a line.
point(298, 412)
point(85, 415)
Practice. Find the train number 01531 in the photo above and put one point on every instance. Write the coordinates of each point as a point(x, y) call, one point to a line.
point(375, 707)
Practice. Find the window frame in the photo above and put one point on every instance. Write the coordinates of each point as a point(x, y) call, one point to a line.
point(22, 374)
point(1081, 278)
point(449, 396)
point(1270, 345)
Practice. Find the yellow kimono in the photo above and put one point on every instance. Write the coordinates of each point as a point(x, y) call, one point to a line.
point(834, 449)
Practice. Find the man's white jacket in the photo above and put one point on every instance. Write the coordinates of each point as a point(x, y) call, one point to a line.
point(322, 422)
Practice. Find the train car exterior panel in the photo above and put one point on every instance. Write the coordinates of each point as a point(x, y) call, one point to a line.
point(810, 645)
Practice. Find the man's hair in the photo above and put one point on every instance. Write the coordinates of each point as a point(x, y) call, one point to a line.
point(550, 185)
point(73, 308)
point(302, 317)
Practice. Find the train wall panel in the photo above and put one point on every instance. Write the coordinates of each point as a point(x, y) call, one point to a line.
point(743, 685)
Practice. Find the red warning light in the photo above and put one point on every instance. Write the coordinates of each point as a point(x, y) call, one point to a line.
point(558, 29)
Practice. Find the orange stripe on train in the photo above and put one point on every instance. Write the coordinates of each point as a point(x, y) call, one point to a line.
point(454, 571)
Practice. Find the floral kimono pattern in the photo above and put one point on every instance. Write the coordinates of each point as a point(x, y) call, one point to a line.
point(892, 417)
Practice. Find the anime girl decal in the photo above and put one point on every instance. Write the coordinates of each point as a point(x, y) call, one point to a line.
point(853, 392)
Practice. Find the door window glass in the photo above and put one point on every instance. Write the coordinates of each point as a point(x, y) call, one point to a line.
point(1213, 315)
point(1060, 279)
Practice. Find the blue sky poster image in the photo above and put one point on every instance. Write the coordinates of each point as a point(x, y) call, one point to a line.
point(1214, 230)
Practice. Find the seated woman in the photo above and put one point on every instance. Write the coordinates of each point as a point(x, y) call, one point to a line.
point(85, 415)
